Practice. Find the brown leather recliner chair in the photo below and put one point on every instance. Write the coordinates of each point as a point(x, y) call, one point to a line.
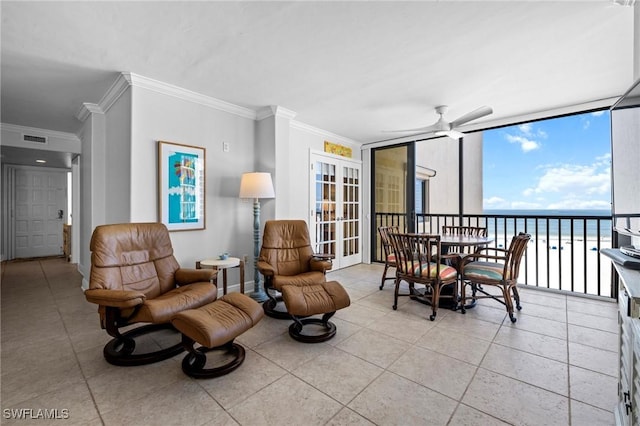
point(286, 258)
point(136, 279)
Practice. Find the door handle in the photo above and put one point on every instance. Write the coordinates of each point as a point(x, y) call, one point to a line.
point(60, 214)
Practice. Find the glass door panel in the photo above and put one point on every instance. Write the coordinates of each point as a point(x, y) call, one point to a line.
point(393, 192)
point(335, 215)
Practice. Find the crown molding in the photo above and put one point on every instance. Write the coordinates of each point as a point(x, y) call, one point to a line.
point(188, 95)
point(88, 108)
point(275, 111)
point(38, 132)
point(328, 135)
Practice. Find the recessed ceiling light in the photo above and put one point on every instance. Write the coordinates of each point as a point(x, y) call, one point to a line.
point(41, 161)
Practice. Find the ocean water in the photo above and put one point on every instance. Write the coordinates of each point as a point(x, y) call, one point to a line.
point(554, 223)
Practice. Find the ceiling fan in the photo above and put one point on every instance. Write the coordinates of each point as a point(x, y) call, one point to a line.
point(443, 127)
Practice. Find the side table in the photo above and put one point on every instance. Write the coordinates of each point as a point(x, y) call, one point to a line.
point(230, 262)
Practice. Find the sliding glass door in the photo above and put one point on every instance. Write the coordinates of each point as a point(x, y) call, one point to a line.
point(394, 189)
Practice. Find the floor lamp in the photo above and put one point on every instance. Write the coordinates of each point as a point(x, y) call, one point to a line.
point(256, 185)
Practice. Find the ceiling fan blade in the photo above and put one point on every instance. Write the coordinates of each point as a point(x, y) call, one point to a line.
point(473, 115)
point(453, 134)
point(419, 129)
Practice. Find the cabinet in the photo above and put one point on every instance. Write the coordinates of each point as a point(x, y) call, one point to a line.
point(66, 241)
point(627, 410)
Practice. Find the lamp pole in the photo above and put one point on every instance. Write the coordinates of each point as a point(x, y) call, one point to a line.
point(258, 294)
point(256, 185)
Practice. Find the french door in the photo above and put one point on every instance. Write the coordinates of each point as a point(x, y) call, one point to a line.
point(335, 215)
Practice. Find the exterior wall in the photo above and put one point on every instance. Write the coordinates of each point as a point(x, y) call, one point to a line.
point(442, 155)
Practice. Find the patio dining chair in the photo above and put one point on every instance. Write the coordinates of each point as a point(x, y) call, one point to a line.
point(495, 267)
point(389, 256)
point(419, 261)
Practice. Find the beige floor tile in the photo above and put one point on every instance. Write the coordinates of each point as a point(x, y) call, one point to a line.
point(456, 345)
point(538, 344)
point(288, 401)
point(607, 309)
point(41, 378)
point(122, 385)
point(543, 311)
point(394, 400)
point(338, 374)
point(526, 367)
point(596, 389)
point(359, 314)
point(374, 347)
point(180, 403)
point(52, 358)
point(595, 359)
point(222, 419)
point(593, 321)
point(35, 354)
point(381, 300)
point(255, 373)
point(344, 329)
point(539, 297)
point(438, 372)
point(402, 326)
point(514, 401)
point(487, 310)
point(467, 416)
point(347, 417)
point(288, 353)
point(588, 415)
point(463, 324)
point(268, 328)
point(539, 325)
point(592, 337)
point(73, 404)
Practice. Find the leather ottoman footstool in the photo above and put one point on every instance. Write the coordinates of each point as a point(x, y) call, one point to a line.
point(306, 300)
point(214, 326)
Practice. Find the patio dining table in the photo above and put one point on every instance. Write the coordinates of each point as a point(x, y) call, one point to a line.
point(460, 242)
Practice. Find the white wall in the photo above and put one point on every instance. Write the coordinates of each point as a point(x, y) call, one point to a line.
point(11, 135)
point(304, 139)
point(229, 221)
point(118, 160)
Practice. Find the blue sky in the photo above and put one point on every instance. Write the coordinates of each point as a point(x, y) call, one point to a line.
point(561, 163)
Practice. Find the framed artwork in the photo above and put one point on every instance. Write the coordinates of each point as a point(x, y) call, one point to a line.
point(334, 148)
point(181, 181)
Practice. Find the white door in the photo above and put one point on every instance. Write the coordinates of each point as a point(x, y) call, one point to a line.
point(40, 204)
point(335, 222)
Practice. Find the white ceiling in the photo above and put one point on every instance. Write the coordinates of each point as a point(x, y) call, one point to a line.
point(351, 68)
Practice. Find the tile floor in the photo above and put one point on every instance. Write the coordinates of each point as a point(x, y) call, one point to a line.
point(555, 366)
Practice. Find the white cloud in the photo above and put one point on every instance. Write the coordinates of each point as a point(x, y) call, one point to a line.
point(598, 113)
point(578, 186)
point(525, 144)
point(525, 128)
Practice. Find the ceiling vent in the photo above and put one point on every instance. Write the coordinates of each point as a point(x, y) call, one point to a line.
point(31, 138)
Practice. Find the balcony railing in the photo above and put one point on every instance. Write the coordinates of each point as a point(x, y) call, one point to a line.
point(563, 255)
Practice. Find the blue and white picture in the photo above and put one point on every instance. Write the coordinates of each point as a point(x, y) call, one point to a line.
point(181, 169)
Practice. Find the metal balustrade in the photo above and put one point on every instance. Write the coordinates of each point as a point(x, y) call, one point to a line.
point(563, 254)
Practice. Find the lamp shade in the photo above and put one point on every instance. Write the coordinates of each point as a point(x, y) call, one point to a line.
point(256, 185)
